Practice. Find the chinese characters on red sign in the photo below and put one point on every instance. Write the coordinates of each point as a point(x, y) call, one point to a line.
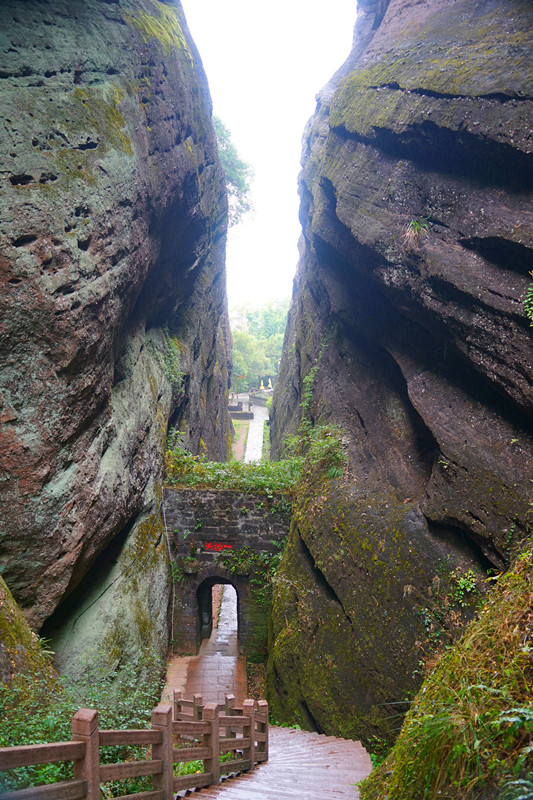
point(217, 546)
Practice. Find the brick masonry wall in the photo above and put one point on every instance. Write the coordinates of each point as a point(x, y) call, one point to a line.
point(205, 527)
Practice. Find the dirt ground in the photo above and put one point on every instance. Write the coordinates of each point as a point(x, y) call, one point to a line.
point(239, 443)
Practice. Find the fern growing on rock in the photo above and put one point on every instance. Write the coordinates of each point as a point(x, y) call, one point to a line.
point(528, 303)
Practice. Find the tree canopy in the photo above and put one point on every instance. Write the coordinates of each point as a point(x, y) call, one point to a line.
point(238, 174)
point(257, 343)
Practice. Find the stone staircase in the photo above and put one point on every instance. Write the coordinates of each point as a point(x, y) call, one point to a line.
point(300, 766)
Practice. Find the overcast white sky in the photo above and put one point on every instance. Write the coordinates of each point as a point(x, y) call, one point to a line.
point(265, 62)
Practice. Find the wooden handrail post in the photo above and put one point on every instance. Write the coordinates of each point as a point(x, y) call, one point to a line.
point(229, 703)
point(248, 709)
point(262, 706)
point(230, 706)
point(85, 729)
point(176, 708)
point(198, 707)
point(162, 721)
point(213, 741)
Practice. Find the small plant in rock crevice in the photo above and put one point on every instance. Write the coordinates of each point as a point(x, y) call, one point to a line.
point(452, 593)
point(414, 231)
point(181, 569)
point(465, 586)
point(528, 303)
point(321, 449)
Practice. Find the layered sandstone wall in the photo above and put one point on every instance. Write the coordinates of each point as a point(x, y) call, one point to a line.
point(415, 257)
point(113, 306)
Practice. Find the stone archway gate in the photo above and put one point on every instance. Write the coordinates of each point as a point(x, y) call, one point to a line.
point(223, 536)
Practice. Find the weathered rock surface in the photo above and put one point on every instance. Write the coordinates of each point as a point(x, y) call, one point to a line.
point(113, 309)
point(417, 243)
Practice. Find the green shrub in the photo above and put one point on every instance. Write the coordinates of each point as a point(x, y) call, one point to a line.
point(33, 711)
point(320, 449)
point(268, 478)
point(468, 732)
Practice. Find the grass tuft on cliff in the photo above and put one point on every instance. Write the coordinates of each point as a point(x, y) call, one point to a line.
point(469, 733)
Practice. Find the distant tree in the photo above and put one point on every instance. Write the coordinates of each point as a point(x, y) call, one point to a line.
point(249, 361)
point(238, 174)
point(268, 320)
point(257, 343)
point(262, 322)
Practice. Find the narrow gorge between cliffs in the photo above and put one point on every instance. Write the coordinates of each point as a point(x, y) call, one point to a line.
point(378, 540)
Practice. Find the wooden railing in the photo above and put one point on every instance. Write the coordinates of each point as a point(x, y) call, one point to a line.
point(184, 731)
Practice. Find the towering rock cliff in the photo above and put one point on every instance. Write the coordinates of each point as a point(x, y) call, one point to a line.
point(416, 248)
point(113, 307)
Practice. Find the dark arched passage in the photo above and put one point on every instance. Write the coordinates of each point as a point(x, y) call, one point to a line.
point(204, 596)
point(193, 615)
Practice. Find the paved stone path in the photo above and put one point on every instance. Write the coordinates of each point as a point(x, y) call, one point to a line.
point(254, 444)
point(300, 766)
point(218, 669)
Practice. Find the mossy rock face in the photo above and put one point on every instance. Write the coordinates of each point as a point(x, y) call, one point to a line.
point(20, 648)
point(414, 264)
point(162, 24)
point(121, 606)
point(120, 612)
point(113, 304)
point(464, 732)
point(351, 597)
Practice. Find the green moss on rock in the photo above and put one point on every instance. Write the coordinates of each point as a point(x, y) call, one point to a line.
point(165, 27)
point(101, 110)
point(85, 114)
point(123, 613)
point(350, 606)
point(20, 648)
point(460, 58)
point(467, 731)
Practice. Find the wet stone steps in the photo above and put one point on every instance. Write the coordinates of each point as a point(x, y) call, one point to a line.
point(301, 766)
